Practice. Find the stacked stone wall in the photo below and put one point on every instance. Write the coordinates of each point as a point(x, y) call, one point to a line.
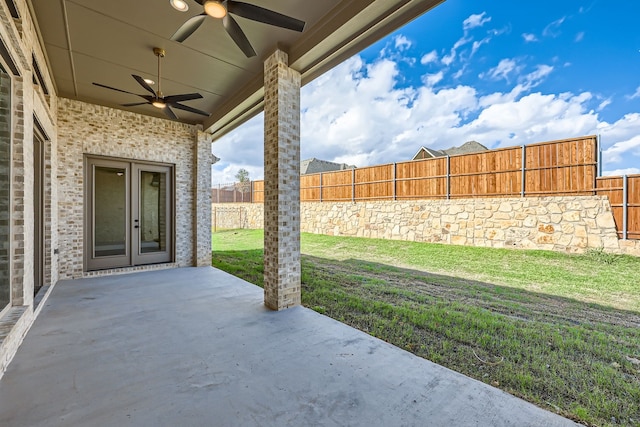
point(566, 224)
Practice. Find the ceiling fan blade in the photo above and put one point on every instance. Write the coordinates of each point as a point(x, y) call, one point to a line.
point(119, 90)
point(188, 27)
point(144, 84)
point(182, 97)
point(189, 109)
point(266, 16)
point(134, 104)
point(238, 36)
point(167, 110)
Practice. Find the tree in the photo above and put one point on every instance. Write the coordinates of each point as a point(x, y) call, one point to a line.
point(244, 184)
point(242, 175)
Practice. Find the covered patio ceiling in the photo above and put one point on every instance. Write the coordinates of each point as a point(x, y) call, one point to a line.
point(106, 42)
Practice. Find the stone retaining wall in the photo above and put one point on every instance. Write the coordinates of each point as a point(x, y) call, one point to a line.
point(566, 224)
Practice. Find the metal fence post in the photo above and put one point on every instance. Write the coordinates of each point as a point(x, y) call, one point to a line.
point(625, 207)
point(395, 182)
point(524, 171)
point(353, 185)
point(448, 177)
point(599, 152)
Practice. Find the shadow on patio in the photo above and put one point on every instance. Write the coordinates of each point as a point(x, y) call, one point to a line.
point(196, 346)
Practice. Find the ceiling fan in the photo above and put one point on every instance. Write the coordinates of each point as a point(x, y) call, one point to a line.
point(157, 99)
point(224, 9)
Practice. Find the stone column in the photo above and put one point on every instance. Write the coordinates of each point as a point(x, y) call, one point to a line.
point(281, 183)
point(203, 158)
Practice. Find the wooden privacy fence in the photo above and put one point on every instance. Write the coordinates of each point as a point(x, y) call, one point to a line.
point(237, 192)
point(555, 168)
point(624, 196)
point(548, 168)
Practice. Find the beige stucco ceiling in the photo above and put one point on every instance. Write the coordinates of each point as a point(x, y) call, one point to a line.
point(106, 41)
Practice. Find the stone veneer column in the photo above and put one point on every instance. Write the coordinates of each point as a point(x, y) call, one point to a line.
point(281, 183)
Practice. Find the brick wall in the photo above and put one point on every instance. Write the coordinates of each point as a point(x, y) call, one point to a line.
point(566, 224)
point(28, 104)
point(87, 129)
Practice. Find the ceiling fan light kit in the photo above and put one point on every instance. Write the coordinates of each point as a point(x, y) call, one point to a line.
point(179, 5)
point(215, 9)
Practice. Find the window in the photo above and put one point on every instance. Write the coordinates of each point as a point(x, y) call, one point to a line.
point(5, 188)
point(37, 75)
point(12, 9)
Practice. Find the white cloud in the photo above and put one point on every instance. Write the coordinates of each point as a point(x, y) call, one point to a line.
point(498, 32)
point(402, 43)
point(579, 37)
point(553, 29)
point(630, 146)
point(533, 79)
point(584, 9)
point(453, 53)
point(464, 55)
point(635, 95)
point(621, 172)
point(604, 104)
point(474, 21)
point(529, 37)
point(502, 71)
point(477, 44)
point(534, 117)
point(429, 58)
point(431, 80)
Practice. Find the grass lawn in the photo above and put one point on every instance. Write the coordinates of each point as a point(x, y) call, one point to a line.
point(561, 331)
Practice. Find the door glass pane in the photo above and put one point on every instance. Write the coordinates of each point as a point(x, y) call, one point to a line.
point(38, 213)
point(153, 211)
point(110, 211)
point(5, 186)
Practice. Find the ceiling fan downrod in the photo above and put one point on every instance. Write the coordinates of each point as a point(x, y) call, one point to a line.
point(160, 53)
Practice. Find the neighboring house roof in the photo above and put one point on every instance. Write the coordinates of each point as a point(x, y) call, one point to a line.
point(427, 153)
point(466, 148)
point(215, 159)
point(314, 165)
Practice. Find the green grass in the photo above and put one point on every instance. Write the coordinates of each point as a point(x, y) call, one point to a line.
point(547, 327)
point(614, 281)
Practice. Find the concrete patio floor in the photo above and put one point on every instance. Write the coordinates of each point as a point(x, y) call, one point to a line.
point(197, 347)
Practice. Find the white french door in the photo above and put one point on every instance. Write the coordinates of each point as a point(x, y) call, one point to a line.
point(129, 213)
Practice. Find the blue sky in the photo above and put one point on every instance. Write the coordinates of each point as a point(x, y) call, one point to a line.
point(500, 72)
